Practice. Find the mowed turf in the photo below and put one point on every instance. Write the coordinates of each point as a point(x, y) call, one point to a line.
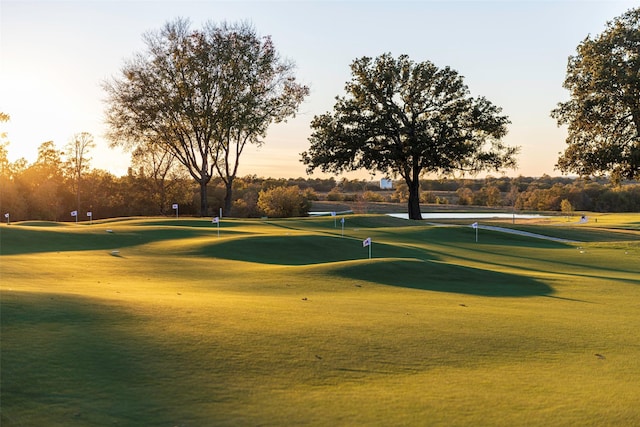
point(160, 322)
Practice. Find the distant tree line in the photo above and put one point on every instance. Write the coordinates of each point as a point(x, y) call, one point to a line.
point(530, 194)
point(49, 189)
point(53, 186)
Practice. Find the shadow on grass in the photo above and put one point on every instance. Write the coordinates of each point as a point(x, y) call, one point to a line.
point(25, 240)
point(73, 361)
point(443, 277)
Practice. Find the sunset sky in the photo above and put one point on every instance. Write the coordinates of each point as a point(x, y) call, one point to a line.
point(55, 54)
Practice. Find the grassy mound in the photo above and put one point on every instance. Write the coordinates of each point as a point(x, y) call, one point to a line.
point(299, 249)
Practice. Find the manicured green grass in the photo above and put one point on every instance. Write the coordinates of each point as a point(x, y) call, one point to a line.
point(160, 322)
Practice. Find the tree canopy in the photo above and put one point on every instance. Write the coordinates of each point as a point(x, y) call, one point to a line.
point(603, 113)
point(4, 160)
point(202, 95)
point(405, 118)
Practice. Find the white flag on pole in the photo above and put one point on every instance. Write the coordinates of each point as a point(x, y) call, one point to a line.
point(342, 220)
point(74, 213)
point(333, 214)
point(215, 220)
point(475, 226)
point(89, 213)
point(175, 206)
point(6, 215)
point(366, 242)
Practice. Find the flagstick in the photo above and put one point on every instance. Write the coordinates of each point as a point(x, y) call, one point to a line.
point(368, 242)
point(342, 235)
point(217, 221)
point(476, 234)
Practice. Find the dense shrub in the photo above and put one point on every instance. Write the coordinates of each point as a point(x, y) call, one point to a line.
point(283, 202)
point(335, 195)
point(371, 196)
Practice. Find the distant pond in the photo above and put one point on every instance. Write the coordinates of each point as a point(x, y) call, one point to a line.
point(469, 215)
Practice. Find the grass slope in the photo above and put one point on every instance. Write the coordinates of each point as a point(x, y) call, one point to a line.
point(286, 322)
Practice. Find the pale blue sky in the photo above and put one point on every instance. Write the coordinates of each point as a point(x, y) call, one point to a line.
point(54, 54)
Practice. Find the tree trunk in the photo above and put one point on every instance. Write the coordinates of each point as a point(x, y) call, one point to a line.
point(78, 196)
point(203, 198)
point(414, 199)
point(228, 196)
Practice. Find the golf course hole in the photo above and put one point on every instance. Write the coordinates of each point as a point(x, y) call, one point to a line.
point(302, 250)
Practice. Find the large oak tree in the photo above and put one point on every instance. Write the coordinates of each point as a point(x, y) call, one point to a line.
point(405, 118)
point(603, 113)
point(202, 95)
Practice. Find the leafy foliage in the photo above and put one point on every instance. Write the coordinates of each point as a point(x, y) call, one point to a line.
point(603, 114)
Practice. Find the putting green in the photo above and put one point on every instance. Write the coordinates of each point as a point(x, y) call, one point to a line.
point(287, 322)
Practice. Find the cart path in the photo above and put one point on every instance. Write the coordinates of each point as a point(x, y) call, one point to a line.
point(512, 231)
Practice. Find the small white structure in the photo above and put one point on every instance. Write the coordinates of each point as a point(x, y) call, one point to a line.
point(386, 184)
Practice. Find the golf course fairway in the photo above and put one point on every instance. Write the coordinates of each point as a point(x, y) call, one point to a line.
point(176, 322)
